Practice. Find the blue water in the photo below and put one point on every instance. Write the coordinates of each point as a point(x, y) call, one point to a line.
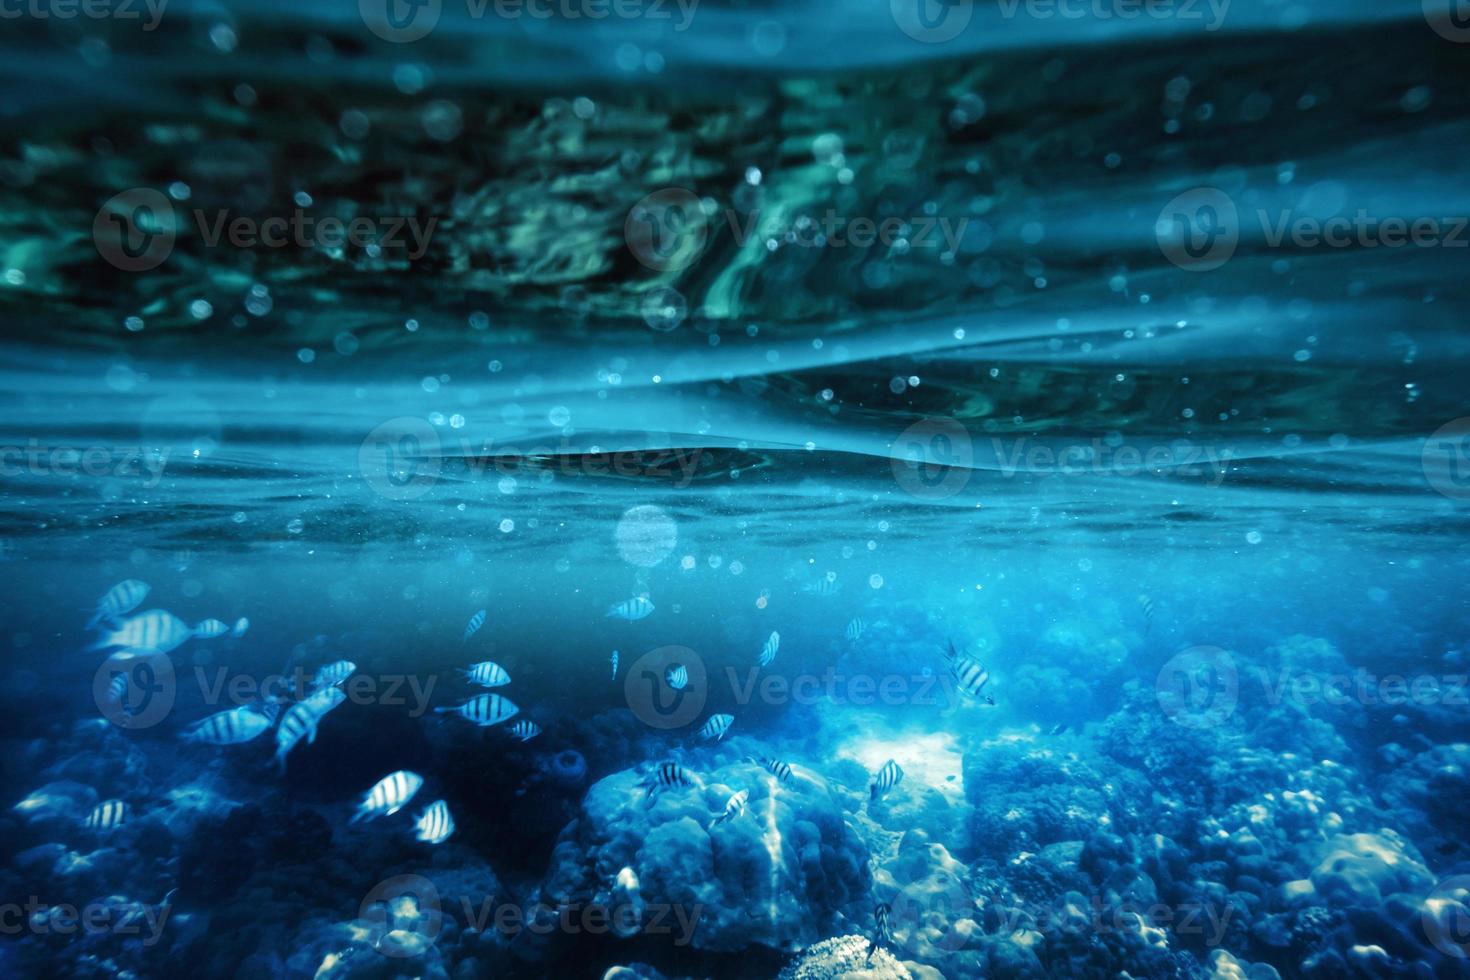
point(1115, 490)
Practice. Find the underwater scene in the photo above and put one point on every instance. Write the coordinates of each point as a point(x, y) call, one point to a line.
point(671, 489)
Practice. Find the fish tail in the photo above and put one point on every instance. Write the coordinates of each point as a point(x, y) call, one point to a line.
point(873, 793)
point(444, 710)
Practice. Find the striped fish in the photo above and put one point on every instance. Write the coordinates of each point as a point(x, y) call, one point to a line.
point(242, 724)
point(677, 677)
point(525, 729)
point(883, 936)
point(969, 674)
point(775, 767)
point(484, 710)
point(435, 825)
point(632, 609)
point(473, 626)
point(716, 727)
point(855, 629)
point(487, 674)
point(734, 807)
point(107, 815)
point(615, 665)
point(388, 795)
point(122, 598)
point(156, 630)
point(241, 625)
point(118, 689)
point(302, 718)
point(209, 629)
point(1149, 609)
point(333, 674)
point(768, 652)
point(824, 586)
point(889, 776)
point(666, 775)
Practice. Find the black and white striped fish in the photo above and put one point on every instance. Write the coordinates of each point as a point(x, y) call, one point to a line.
point(734, 807)
point(241, 625)
point(525, 729)
point(889, 776)
point(209, 629)
point(484, 710)
point(824, 586)
point(156, 630)
point(117, 689)
point(768, 652)
point(855, 630)
point(615, 665)
point(107, 815)
point(242, 724)
point(632, 609)
point(303, 718)
point(666, 775)
point(1149, 609)
point(473, 626)
point(333, 674)
point(716, 727)
point(677, 677)
point(487, 673)
point(775, 767)
point(388, 795)
point(969, 675)
point(122, 598)
point(882, 935)
point(435, 825)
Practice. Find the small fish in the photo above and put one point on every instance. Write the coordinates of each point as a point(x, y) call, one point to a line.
point(615, 665)
point(122, 598)
point(303, 718)
point(768, 652)
point(716, 727)
point(666, 776)
point(1149, 609)
point(1059, 727)
point(232, 727)
point(968, 673)
point(824, 586)
point(333, 674)
point(241, 625)
point(487, 674)
point(107, 815)
point(118, 689)
point(388, 795)
point(677, 677)
point(775, 767)
point(855, 630)
point(735, 807)
point(882, 935)
point(888, 777)
point(156, 630)
point(632, 609)
point(525, 729)
point(209, 629)
point(484, 710)
point(435, 825)
point(473, 626)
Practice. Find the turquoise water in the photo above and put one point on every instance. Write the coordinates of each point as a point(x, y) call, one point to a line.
point(1073, 390)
